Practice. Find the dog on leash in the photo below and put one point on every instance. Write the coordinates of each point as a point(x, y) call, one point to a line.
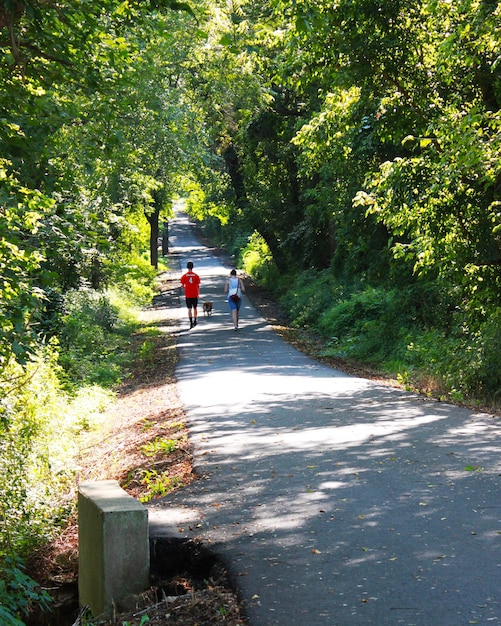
point(207, 308)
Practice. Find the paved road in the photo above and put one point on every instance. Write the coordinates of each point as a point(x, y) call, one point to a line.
point(333, 499)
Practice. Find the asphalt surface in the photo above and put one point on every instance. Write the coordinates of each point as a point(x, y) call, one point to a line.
point(331, 499)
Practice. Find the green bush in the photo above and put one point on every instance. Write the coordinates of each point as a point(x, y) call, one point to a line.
point(358, 327)
point(44, 405)
point(93, 351)
point(39, 428)
point(470, 360)
point(309, 295)
point(489, 371)
point(87, 305)
point(19, 594)
point(359, 321)
point(135, 279)
point(31, 480)
point(257, 261)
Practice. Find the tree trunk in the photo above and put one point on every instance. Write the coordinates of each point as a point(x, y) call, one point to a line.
point(154, 231)
point(165, 239)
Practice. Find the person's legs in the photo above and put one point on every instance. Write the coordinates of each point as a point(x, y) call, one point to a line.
point(189, 305)
point(234, 313)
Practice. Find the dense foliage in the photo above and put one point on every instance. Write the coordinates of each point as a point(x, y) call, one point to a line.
point(368, 166)
point(347, 152)
point(93, 136)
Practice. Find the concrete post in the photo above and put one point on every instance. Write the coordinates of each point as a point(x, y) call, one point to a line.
point(113, 556)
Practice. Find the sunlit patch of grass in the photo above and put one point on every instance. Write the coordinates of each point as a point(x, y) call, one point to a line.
point(158, 484)
point(160, 446)
point(147, 351)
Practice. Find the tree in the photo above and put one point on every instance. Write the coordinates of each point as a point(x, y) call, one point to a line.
point(93, 139)
point(443, 198)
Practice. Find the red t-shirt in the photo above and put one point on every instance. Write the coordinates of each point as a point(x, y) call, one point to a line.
point(190, 282)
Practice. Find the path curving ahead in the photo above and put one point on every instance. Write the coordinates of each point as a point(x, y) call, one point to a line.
point(332, 499)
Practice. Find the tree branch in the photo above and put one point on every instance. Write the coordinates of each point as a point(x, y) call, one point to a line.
point(45, 55)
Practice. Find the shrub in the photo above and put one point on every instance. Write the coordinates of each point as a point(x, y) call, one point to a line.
point(30, 479)
point(19, 594)
point(86, 305)
point(360, 325)
point(90, 350)
point(135, 279)
point(489, 371)
point(257, 261)
point(309, 295)
point(470, 363)
point(39, 429)
point(44, 405)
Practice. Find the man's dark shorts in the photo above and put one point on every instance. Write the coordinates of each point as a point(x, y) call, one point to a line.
point(191, 302)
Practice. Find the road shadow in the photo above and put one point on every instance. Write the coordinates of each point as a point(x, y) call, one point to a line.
point(332, 499)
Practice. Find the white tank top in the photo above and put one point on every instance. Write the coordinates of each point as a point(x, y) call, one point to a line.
point(232, 286)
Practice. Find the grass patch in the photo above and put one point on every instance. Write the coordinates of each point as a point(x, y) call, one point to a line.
point(158, 484)
point(160, 446)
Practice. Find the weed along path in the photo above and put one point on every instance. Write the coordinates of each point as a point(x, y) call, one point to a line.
point(331, 499)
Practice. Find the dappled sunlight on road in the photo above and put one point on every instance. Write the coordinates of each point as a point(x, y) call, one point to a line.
point(335, 500)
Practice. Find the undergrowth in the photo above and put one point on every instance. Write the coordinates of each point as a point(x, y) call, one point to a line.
point(46, 406)
point(411, 333)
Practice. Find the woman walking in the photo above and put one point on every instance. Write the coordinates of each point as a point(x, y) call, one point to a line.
point(234, 287)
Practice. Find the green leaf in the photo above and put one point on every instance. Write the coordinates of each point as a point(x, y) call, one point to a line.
point(226, 40)
point(408, 139)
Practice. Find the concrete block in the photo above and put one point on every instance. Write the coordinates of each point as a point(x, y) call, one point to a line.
point(113, 555)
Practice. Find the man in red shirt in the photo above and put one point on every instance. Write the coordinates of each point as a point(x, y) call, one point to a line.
point(191, 282)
